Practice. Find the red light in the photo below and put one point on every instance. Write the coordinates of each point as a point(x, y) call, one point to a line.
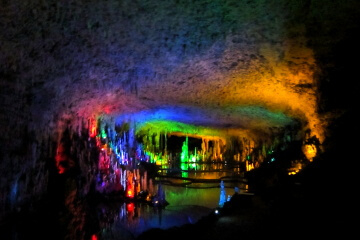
point(60, 159)
point(94, 237)
point(61, 170)
point(130, 207)
point(107, 109)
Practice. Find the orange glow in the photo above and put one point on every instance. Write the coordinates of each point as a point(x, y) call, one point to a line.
point(130, 188)
point(282, 81)
point(249, 166)
point(92, 127)
point(130, 193)
point(309, 151)
point(296, 166)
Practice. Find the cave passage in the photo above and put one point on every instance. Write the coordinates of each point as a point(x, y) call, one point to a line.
point(140, 103)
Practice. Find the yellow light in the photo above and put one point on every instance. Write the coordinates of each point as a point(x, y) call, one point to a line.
point(309, 151)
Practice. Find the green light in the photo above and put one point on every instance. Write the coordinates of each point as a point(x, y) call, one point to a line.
point(153, 127)
point(152, 157)
point(184, 167)
point(184, 157)
point(103, 133)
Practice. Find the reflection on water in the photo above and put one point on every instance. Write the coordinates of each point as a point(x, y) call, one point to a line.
point(133, 219)
point(202, 170)
point(189, 199)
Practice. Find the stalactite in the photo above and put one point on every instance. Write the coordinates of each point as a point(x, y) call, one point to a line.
point(165, 136)
point(157, 142)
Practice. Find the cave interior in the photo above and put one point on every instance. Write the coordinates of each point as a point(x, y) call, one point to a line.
point(259, 83)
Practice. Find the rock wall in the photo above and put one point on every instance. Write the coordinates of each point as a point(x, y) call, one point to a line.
point(70, 60)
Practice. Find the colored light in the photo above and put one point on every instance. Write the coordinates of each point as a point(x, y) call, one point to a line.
point(309, 151)
point(184, 156)
point(103, 133)
point(92, 127)
point(130, 194)
point(130, 207)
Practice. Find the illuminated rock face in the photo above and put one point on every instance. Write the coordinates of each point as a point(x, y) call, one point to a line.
point(242, 68)
point(236, 64)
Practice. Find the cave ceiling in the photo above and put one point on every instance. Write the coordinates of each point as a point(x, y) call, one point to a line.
point(243, 66)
